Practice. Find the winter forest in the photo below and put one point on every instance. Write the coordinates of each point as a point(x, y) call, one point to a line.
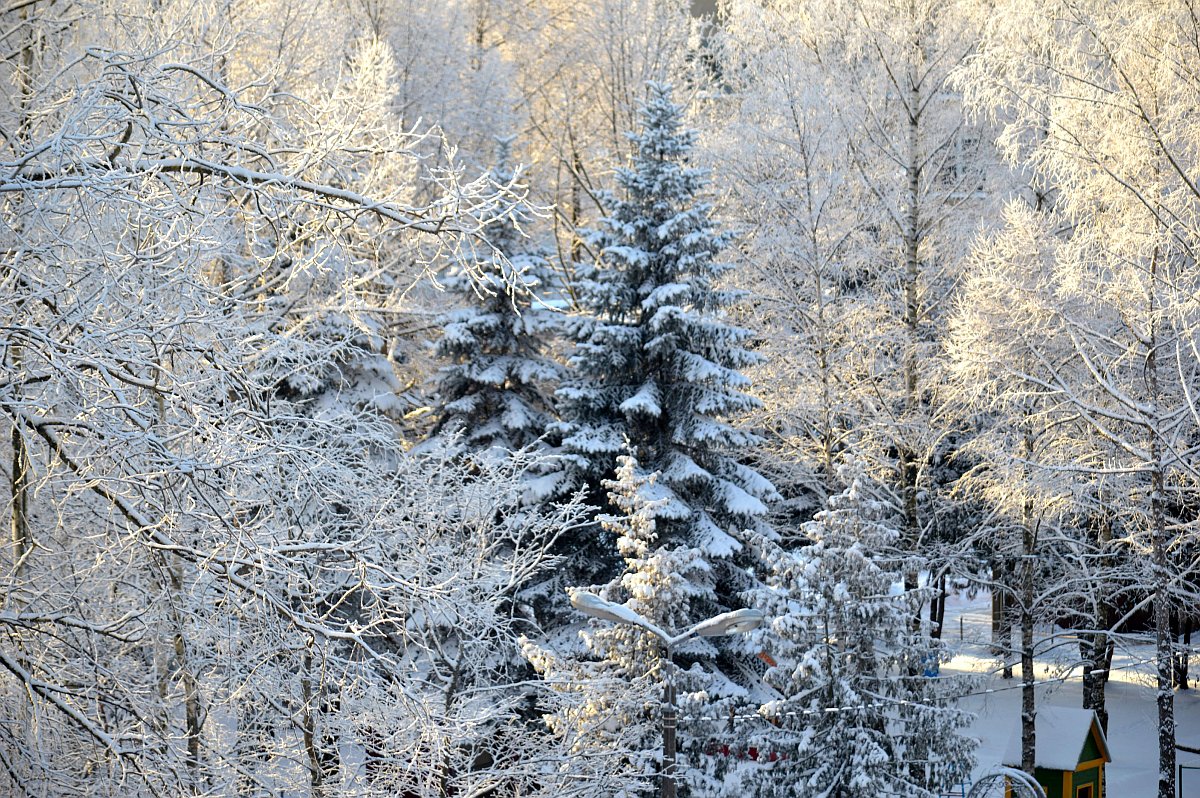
point(350, 348)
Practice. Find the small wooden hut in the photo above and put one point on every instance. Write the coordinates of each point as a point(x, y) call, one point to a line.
point(1070, 752)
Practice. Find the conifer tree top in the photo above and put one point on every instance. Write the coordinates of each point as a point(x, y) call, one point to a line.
point(655, 364)
point(495, 387)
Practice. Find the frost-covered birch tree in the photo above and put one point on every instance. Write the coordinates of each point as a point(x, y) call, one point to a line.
point(792, 193)
point(196, 387)
point(880, 182)
point(581, 69)
point(1093, 103)
point(1004, 335)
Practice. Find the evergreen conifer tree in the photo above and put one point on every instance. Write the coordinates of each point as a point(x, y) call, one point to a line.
point(655, 367)
point(853, 719)
point(496, 389)
point(607, 696)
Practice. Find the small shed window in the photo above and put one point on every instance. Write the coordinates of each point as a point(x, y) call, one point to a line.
point(1084, 791)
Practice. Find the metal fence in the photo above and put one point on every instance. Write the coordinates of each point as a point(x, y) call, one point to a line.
point(1191, 787)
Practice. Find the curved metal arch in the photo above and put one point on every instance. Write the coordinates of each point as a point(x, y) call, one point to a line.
point(992, 785)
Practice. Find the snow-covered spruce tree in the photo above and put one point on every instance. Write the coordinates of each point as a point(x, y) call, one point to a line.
point(655, 366)
point(580, 69)
point(496, 389)
point(852, 720)
point(605, 699)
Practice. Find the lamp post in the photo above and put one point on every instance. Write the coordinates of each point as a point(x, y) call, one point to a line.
point(735, 622)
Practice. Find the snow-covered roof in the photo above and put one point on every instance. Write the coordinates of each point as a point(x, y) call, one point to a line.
point(1060, 734)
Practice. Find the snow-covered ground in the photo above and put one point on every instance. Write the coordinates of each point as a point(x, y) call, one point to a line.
point(1132, 735)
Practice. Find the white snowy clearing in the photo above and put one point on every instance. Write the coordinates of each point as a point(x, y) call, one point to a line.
point(1132, 736)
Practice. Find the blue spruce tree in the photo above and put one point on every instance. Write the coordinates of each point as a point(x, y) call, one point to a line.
point(854, 716)
point(605, 697)
point(657, 373)
point(496, 389)
point(656, 370)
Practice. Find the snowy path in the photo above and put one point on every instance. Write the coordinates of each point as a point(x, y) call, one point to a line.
point(1132, 732)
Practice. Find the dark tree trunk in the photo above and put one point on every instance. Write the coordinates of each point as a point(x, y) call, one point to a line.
point(1096, 648)
point(1002, 626)
point(1028, 676)
point(319, 745)
point(1161, 565)
point(1096, 651)
point(937, 609)
point(20, 479)
point(1180, 666)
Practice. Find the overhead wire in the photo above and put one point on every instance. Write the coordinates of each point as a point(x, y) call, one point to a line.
point(888, 702)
